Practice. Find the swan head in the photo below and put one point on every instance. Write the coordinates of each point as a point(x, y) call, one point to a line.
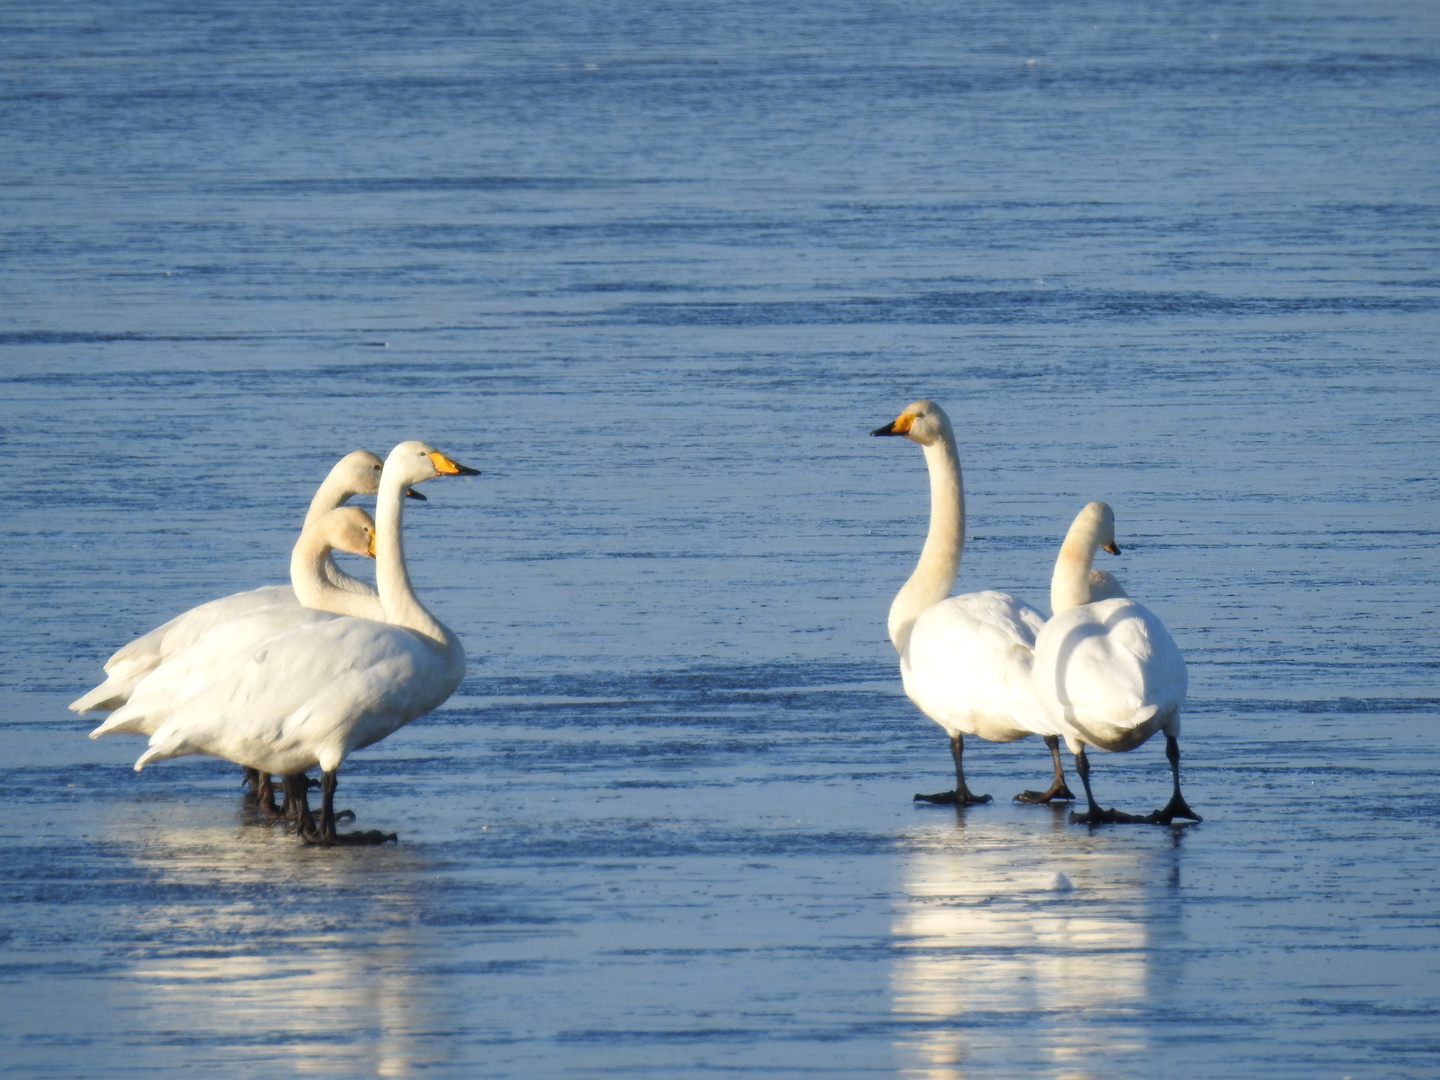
point(358, 472)
point(347, 528)
point(1099, 520)
point(921, 421)
point(415, 461)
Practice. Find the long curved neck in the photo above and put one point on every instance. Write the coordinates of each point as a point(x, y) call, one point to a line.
point(940, 557)
point(402, 606)
point(332, 493)
point(309, 562)
point(1070, 583)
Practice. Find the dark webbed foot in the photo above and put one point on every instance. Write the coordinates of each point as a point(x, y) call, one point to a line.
point(1096, 816)
point(951, 798)
point(1062, 793)
point(1174, 808)
point(368, 838)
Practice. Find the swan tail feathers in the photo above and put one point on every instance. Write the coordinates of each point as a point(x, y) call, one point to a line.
point(121, 722)
point(106, 697)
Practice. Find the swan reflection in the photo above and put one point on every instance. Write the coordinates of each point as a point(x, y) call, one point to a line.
point(1016, 955)
point(272, 956)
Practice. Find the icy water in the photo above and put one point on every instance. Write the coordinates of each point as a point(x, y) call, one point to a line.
point(657, 269)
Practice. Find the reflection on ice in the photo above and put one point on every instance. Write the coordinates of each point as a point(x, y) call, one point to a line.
point(266, 971)
point(1026, 953)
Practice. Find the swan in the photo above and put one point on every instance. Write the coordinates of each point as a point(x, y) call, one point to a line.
point(357, 473)
point(181, 675)
point(964, 660)
point(310, 695)
point(348, 528)
point(1107, 672)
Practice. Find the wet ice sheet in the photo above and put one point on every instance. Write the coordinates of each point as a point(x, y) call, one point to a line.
point(727, 875)
point(658, 278)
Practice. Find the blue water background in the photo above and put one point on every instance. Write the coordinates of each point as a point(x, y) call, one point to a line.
point(657, 269)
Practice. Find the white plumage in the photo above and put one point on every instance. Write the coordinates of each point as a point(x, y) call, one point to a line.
point(186, 672)
point(1107, 673)
point(965, 660)
point(357, 473)
point(310, 695)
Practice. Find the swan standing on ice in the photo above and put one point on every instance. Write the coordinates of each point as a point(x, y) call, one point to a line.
point(312, 694)
point(357, 473)
point(184, 673)
point(965, 660)
point(1107, 672)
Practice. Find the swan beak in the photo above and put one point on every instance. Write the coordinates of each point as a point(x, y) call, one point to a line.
point(445, 467)
point(370, 547)
point(1112, 547)
point(411, 493)
point(899, 426)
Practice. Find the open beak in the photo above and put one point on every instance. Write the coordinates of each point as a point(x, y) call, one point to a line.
point(1112, 547)
point(899, 426)
point(411, 493)
point(445, 467)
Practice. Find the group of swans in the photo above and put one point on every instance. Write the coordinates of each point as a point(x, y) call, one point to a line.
point(1102, 671)
point(283, 679)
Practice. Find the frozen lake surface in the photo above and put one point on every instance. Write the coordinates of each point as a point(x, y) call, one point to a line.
point(657, 270)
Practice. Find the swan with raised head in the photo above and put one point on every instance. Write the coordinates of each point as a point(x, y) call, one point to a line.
point(1107, 672)
point(357, 473)
point(311, 695)
point(964, 660)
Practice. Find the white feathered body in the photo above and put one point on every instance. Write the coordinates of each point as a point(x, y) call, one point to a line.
point(133, 662)
point(186, 672)
point(311, 695)
point(966, 664)
point(1109, 674)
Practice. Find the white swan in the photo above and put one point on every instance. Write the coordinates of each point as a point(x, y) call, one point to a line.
point(312, 694)
point(185, 673)
point(965, 660)
point(1107, 672)
point(357, 473)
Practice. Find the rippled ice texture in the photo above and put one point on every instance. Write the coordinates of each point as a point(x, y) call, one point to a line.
point(657, 268)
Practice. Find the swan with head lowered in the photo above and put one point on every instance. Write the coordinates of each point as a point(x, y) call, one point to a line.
point(310, 695)
point(357, 473)
point(965, 660)
point(1107, 672)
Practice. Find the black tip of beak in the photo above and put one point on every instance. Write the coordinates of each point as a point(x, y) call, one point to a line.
point(1113, 548)
point(465, 470)
point(888, 429)
point(411, 493)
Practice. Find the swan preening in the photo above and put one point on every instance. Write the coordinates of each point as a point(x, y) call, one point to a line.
point(282, 688)
point(1103, 671)
point(1107, 672)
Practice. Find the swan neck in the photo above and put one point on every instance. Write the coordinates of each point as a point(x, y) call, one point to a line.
point(939, 562)
point(402, 606)
point(1070, 583)
point(329, 495)
point(320, 584)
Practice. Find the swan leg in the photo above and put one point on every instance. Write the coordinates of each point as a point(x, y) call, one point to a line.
point(265, 795)
point(1058, 789)
point(297, 804)
point(1094, 815)
point(251, 782)
point(1176, 807)
point(325, 835)
point(961, 796)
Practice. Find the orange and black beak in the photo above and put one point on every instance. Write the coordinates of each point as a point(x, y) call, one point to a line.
point(445, 467)
point(1112, 547)
point(411, 493)
point(899, 426)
